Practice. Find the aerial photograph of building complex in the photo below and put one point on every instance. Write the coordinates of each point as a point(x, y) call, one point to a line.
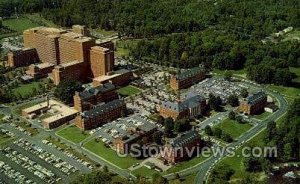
point(149, 92)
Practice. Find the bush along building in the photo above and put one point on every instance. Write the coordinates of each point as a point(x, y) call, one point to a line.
point(254, 103)
point(192, 106)
point(187, 78)
point(182, 147)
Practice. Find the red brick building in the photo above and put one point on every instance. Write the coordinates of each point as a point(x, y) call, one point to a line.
point(179, 148)
point(192, 106)
point(87, 99)
point(254, 103)
point(142, 130)
point(187, 78)
point(23, 57)
point(101, 114)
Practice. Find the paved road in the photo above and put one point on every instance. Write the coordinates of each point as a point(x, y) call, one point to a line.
point(214, 120)
point(209, 164)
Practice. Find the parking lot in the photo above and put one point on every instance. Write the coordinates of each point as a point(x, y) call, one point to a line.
point(218, 87)
point(40, 162)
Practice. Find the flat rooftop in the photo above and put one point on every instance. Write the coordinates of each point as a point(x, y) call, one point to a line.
point(44, 65)
point(71, 36)
point(62, 109)
point(99, 48)
point(65, 65)
point(113, 75)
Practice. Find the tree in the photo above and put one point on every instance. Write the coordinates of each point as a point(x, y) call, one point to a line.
point(160, 120)
point(158, 179)
point(271, 131)
point(233, 100)
point(231, 115)
point(252, 164)
point(218, 132)
point(214, 102)
point(181, 125)
point(228, 75)
point(244, 93)
point(208, 130)
point(95, 177)
point(105, 169)
point(222, 173)
point(169, 126)
point(157, 137)
point(226, 137)
point(66, 90)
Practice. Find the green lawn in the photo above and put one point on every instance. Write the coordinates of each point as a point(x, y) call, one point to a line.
point(73, 134)
point(37, 19)
point(124, 46)
point(262, 116)
point(233, 128)
point(186, 164)
point(110, 155)
point(19, 24)
point(105, 33)
point(144, 172)
point(238, 73)
point(236, 163)
point(291, 92)
point(121, 52)
point(27, 89)
point(128, 91)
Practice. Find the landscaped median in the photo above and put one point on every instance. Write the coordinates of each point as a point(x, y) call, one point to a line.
point(72, 134)
point(144, 172)
point(233, 128)
point(100, 149)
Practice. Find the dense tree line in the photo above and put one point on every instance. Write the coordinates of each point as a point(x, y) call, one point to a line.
point(66, 90)
point(286, 136)
point(143, 18)
point(265, 63)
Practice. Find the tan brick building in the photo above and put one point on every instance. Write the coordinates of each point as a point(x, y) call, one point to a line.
point(79, 29)
point(74, 55)
point(45, 41)
point(76, 70)
point(40, 70)
point(74, 47)
point(102, 61)
point(85, 100)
